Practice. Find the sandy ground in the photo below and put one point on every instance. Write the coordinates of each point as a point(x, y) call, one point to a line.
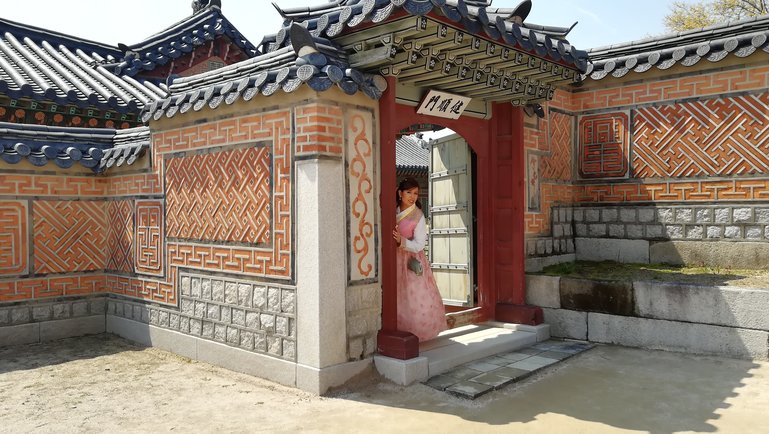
point(105, 384)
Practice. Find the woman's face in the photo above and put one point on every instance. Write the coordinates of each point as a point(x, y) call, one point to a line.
point(409, 197)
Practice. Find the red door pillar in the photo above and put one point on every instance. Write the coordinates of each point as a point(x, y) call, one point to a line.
point(509, 229)
point(390, 341)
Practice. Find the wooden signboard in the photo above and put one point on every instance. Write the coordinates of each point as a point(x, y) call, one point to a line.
point(443, 105)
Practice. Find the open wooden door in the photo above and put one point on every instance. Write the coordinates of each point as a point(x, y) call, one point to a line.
point(451, 226)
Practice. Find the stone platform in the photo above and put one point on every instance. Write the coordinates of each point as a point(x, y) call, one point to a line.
point(477, 378)
point(458, 346)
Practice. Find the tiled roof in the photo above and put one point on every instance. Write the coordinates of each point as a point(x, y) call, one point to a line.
point(314, 61)
point(180, 39)
point(714, 44)
point(410, 155)
point(48, 66)
point(95, 148)
point(330, 19)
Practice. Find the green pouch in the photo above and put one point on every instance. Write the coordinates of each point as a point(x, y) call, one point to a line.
point(415, 266)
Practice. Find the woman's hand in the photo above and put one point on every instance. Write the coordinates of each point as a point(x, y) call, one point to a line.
point(397, 236)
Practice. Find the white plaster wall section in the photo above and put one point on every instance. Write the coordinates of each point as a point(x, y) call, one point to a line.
point(320, 256)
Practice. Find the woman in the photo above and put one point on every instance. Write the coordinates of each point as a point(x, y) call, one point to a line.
point(420, 307)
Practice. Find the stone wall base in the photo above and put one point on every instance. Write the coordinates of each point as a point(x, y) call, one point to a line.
point(717, 320)
point(284, 372)
point(34, 333)
point(659, 334)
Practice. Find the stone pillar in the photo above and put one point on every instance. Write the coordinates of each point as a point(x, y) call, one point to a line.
point(321, 243)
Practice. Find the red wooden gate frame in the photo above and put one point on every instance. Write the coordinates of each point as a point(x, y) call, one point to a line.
point(500, 189)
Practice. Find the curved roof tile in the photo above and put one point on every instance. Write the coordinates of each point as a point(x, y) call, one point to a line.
point(714, 44)
point(43, 65)
point(331, 19)
point(323, 66)
point(409, 155)
point(180, 39)
point(95, 148)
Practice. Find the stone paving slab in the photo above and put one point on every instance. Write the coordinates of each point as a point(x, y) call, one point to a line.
point(482, 376)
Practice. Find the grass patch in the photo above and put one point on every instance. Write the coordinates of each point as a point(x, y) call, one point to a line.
point(609, 270)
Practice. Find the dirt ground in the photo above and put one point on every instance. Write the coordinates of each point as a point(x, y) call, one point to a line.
point(105, 384)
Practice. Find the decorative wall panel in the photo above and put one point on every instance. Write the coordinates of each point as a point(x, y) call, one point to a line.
point(149, 237)
point(532, 184)
point(120, 256)
point(360, 176)
point(14, 251)
point(603, 146)
point(557, 165)
point(70, 236)
point(241, 186)
point(220, 196)
point(716, 137)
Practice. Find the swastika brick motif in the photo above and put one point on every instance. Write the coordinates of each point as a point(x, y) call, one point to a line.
point(14, 238)
point(557, 165)
point(69, 236)
point(603, 145)
point(220, 196)
point(716, 137)
point(149, 237)
point(120, 235)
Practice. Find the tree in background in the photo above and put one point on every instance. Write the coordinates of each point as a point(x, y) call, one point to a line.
point(688, 16)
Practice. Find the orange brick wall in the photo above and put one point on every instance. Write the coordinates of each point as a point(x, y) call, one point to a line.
point(703, 137)
point(72, 235)
point(131, 232)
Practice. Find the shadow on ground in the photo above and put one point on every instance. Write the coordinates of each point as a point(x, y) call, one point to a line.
point(28, 357)
point(613, 387)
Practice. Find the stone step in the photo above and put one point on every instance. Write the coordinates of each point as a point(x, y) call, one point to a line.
point(466, 344)
point(479, 377)
point(458, 346)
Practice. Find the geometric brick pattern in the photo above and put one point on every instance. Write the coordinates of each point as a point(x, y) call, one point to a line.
point(69, 236)
point(120, 236)
point(50, 287)
point(552, 195)
point(716, 137)
point(675, 191)
point(152, 290)
point(56, 186)
point(149, 237)
point(651, 91)
point(557, 165)
point(222, 196)
point(361, 172)
point(13, 238)
point(272, 260)
point(603, 145)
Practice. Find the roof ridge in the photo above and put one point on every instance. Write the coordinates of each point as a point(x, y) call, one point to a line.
point(727, 27)
point(38, 34)
point(158, 35)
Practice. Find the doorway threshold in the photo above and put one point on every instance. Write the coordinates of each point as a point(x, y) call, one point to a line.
point(458, 346)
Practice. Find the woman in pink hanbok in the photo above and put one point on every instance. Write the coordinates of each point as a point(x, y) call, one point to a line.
point(420, 307)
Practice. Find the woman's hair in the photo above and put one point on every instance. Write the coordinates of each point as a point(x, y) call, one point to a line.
point(407, 184)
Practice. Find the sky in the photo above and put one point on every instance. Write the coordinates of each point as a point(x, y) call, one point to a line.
point(601, 22)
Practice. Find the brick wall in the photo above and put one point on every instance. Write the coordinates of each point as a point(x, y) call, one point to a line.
point(687, 146)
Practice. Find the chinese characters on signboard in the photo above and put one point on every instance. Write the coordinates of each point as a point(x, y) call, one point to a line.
point(443, 105)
